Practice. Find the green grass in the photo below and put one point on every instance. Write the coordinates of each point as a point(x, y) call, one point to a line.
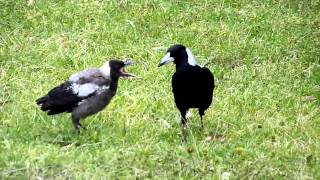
point(264, 122)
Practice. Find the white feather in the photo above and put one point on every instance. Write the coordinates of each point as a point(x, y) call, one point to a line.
point(98, 91)
point(74, 77)
point(105, 87)
point(84, 89)
point(105, 69)
point(191, 59)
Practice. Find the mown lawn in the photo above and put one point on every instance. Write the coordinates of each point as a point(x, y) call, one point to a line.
point(264, 122)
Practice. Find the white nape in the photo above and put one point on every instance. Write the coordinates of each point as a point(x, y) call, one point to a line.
point(105, 69)
point(191, 59)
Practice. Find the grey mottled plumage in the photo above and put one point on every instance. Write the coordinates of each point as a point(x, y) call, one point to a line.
point(85, 93)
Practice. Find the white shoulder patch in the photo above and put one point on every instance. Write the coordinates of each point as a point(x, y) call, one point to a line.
point(74, 77)
point(105, 69)
point(191, 59)
point(84, 90)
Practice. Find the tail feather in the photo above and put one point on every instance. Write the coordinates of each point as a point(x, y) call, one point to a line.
point(41, 100)
point(51, 106)
point(58, 100)
point(44, 103)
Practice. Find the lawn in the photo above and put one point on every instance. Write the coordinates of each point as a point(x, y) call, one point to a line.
point(264, 122)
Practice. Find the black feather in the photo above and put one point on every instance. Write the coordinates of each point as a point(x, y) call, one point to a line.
point(60, 99)
point(192, 85)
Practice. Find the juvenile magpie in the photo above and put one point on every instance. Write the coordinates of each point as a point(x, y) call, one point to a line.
point(86, 92)
point(192, 85)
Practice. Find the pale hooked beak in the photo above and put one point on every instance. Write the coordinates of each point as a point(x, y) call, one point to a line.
point(123, 71)
point(166, 59)
point(127, 62)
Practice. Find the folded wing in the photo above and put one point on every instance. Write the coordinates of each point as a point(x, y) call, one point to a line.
point(68, 95)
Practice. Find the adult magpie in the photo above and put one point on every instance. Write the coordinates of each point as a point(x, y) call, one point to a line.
point(192, 85)
point(86, 92)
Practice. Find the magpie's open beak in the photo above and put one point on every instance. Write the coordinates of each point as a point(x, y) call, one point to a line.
point(166, 59)
point(123, 71)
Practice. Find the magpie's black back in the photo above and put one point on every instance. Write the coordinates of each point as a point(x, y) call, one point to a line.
point(192, 87)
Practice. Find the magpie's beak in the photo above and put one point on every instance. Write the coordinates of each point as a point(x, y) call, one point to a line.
point(127, 62)
point(166, 59)
point(123, 71)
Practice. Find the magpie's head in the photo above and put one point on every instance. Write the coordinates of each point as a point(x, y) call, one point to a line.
point(178, 54)
point(116, 68)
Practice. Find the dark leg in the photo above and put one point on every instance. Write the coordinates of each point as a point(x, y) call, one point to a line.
point(76, 123)
point(80, 125)
point(184, 124)
point(201, 122)
point(201, 113)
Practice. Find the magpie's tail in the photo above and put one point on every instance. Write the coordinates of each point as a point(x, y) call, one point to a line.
point(44, 103)
point(47, 104)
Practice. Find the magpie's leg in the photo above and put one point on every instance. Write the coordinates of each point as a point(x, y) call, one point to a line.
point(184, 124)
point(82, 126)
point(201, 113)
point(201, 122)
point(76, 123)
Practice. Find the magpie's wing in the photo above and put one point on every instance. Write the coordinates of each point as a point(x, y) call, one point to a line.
point(67, 95)
point(208, 79)
point(89, 82)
